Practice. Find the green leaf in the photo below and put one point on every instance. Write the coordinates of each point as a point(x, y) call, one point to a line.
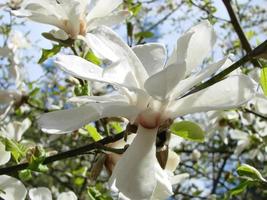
point(93, 133)
point(82, 90)
point(48, 53)
point(263, 79)
point(188, 130)
point(18, 151)
point(136, 9)
point(90, 56)
point(36, 158)
point(239, 189)
point(145, 34)
point(25, 174)
point(250, 173)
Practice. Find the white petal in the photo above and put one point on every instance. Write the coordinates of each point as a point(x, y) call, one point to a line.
point(24, 126)
point(186, 84)
point(109, 20)
point(261, 104)
point(176, 179)
point(163, 189)
point(228, 93)
point(69, 120)
point(67, 196)
point(161, 84)
point(59, 34)
point(13, 188)
point(81, 68)
point(172, 161)
point(101, 8)
point(200, 45)
point(135, 173)
point(179, 53)
point(128, 60)
point(40, 193)
point(99, 99)
point(152, 56)
point(4, 155)
point(65, 121)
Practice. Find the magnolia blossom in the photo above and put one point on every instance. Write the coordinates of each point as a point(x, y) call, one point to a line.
point(13, 130)
point(11, 188)
point(73, 17)
point(43, 193)
point(7, 100)
point(150, 92)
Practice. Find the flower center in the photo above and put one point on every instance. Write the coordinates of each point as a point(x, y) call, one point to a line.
point(149, 119)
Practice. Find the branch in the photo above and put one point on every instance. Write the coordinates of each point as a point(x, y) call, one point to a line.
point(69, 154)
point(242, 37)
point(217, 180)
point(248, 57)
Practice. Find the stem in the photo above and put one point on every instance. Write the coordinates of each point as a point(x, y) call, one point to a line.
point(68, 154)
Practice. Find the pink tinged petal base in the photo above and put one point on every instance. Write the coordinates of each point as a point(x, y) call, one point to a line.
point(135, 173)
point(228, 93)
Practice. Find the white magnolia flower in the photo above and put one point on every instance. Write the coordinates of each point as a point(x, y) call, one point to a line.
point(151, 91)
point(7, 100)
point(73, 17)
point(43, 193)
point(11, 188)
point(14, 130)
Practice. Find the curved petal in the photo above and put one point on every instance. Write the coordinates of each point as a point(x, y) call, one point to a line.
point(66, 121)
point(172, 161)
point(191, 81)
point(101, 8)
point(163, 189)
point(152, 55)
point(135, 173)
point(81, 68)
point(67, 196)
point(128, 60)
point(13, 188)
point(161, 84)
point(5, 155)
point(199, 46)
point(40, 193)
point(99, 99)
point(109, 20)
point(228, 93)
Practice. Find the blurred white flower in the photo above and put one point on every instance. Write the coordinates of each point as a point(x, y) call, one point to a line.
point(43, 193)
point(5, 155)
point(73, 17)
point(11, 188)
point(7, 100)
point(14, 130)
point(150, 93)
point(196, 155)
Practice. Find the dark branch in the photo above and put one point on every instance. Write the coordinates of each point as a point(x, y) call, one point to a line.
point(242, 37)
